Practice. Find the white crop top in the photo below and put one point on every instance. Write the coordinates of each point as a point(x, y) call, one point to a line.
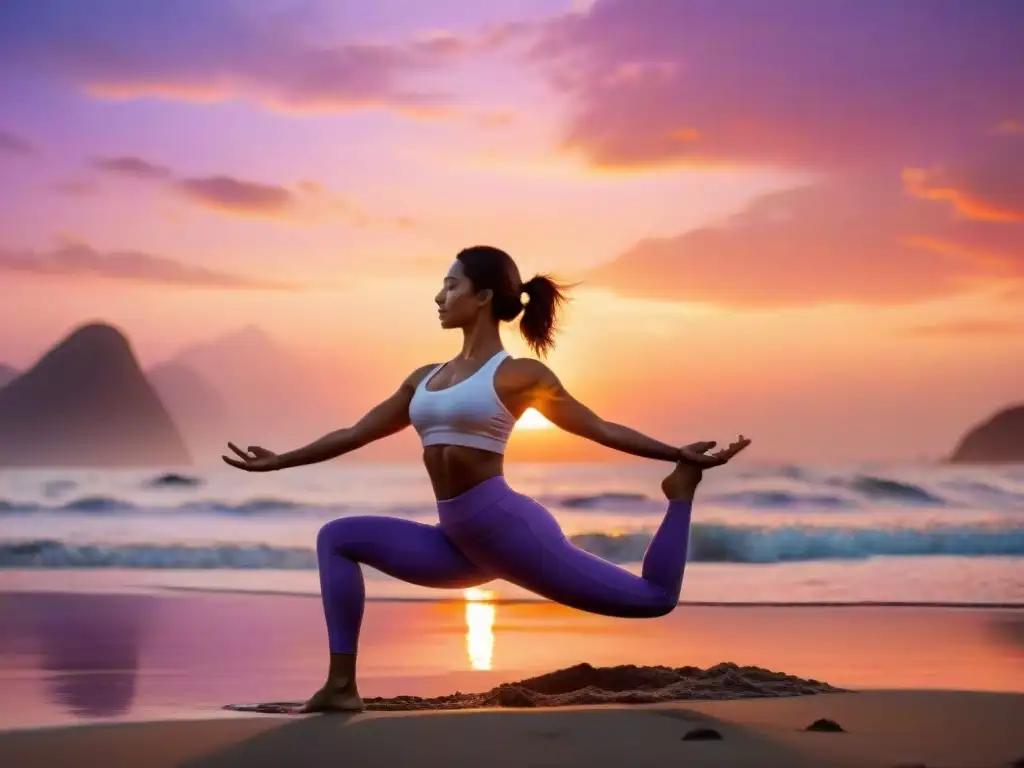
point(468, 413)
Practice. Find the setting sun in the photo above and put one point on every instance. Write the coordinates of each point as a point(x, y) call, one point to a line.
point(479, 627)
point(533, 419)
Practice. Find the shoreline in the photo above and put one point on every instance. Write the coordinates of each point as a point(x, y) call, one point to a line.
point(682, 603)
point(504, 601)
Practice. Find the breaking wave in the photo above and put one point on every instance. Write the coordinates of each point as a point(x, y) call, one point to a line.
point(708, 543)
point(781, 489)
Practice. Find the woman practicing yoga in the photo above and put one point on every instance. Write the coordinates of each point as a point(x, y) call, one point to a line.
point(464, 411)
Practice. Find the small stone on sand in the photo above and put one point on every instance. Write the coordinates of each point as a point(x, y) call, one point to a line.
point(703, 734)
point(825, 726)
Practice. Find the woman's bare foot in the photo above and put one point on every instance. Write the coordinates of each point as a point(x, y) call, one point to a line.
point(334, 699)
point(340, 693)
point(682, 483)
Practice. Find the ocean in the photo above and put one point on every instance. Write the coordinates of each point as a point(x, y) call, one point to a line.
point(918, 534)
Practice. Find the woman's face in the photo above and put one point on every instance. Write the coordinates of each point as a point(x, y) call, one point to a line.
point(458, 303)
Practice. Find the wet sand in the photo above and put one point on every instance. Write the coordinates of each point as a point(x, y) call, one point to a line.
point(151, 671)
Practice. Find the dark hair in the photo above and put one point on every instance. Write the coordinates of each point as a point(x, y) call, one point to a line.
point(492, 269)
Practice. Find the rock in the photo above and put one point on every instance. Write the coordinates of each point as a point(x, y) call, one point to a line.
point(173, 480)
point(999, 439)
point(703, 734)
point(825, 726)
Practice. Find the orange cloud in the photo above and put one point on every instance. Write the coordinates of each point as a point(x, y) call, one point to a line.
point(971, 327)
point(495, 119)
point(1009, 127)
point(847, 239)
point(994, 262)
point(78, 259)
point(319, 200)
point(637, 71)
point(685, 134)
point(929, 185)
point(417, 106)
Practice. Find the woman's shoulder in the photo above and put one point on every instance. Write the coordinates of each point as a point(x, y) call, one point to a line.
point(413, 379)
point(521, 371)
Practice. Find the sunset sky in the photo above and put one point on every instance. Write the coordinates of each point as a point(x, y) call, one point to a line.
point(801, 220)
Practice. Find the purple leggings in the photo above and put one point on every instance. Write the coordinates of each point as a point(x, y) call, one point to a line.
point(491, 532)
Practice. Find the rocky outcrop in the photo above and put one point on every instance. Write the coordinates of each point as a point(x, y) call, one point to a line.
point(197, 409)
point(997, 440)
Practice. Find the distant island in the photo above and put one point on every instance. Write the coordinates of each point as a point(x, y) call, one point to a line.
point(997, 440)
point(200, 413)
point(87, 403)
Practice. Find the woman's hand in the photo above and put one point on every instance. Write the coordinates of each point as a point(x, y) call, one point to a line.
point(255, 460)
point(696, 453)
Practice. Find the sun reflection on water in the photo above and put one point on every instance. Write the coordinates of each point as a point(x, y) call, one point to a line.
point(479, 627)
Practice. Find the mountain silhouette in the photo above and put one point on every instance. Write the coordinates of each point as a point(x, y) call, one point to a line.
point(87, 403)
point(271, 394)
point(999, 439)
point(7, 375)
point(201, 414)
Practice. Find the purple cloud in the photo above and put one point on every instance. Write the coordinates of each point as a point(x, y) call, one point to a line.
point(236, 196)
point(222, 193)
point(77, 188)
point(15, 145)
point(822, 84)
point(307, 202)
point(200, 50)
point(81, 260)
point(131, 166)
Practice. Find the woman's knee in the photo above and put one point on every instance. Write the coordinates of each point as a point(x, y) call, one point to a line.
point(646, 607)
point(660, 606)
point(333, 536)
point(663, 608)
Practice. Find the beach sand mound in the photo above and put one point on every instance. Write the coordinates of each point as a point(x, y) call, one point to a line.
point(628, 684)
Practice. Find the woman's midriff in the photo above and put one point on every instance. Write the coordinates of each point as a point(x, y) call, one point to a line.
point(454, 469)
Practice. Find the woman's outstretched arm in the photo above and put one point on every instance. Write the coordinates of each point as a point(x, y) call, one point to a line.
point(534, 384)
point(384, 419)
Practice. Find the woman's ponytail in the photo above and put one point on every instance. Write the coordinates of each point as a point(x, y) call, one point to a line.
point(543, 299)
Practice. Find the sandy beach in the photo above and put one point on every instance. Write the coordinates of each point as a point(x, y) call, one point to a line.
point(141, 678)
point(895, 728)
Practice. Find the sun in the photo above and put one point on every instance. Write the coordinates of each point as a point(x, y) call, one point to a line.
point(532, 419)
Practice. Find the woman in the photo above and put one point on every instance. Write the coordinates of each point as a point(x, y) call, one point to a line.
point(464, 411)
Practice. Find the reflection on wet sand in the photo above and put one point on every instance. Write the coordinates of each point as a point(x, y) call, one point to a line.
point(90, 645)
point(1009, 629)
point(65, 657)
point(480, 613)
